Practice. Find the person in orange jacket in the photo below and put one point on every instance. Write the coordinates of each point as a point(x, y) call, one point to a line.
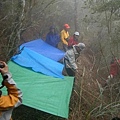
point(14, 97)
point(65, 36)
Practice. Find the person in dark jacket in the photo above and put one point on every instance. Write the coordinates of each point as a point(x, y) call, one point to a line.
point(52, 37)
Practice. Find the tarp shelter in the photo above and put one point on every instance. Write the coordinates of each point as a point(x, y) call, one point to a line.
point(47, 92)
point(40, 57)
point(41, 47)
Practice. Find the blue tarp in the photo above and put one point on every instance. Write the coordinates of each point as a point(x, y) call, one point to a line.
point(39, 63)
point(44, 49)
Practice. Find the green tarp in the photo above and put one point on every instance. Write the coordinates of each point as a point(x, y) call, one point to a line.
point(45, 93)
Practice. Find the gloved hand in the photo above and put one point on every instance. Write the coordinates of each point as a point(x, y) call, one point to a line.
point(110, 76)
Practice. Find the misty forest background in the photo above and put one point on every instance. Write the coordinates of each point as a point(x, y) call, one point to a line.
point(98, 22)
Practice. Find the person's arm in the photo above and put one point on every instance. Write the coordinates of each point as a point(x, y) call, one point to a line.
point(57, 38)
point(70, 42)
point(14, 97)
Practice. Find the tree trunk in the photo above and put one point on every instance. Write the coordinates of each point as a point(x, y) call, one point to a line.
point(76, 16)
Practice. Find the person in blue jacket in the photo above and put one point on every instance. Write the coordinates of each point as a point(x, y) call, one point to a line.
point(52, 37)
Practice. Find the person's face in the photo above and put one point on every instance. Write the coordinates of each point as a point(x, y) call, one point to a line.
point(76, 37)
point(53, 30)
point(66, 28)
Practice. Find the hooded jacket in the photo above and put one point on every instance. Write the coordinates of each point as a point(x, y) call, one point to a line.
point(53, 39)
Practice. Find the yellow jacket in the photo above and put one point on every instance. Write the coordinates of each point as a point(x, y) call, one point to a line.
point(10, 101)
point(64, 36)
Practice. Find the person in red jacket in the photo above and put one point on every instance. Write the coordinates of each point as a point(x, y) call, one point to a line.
point(73, 40)
point(13, 98)
point(114, 68)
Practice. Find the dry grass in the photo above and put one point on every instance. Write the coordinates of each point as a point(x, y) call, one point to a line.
point(90, 99)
